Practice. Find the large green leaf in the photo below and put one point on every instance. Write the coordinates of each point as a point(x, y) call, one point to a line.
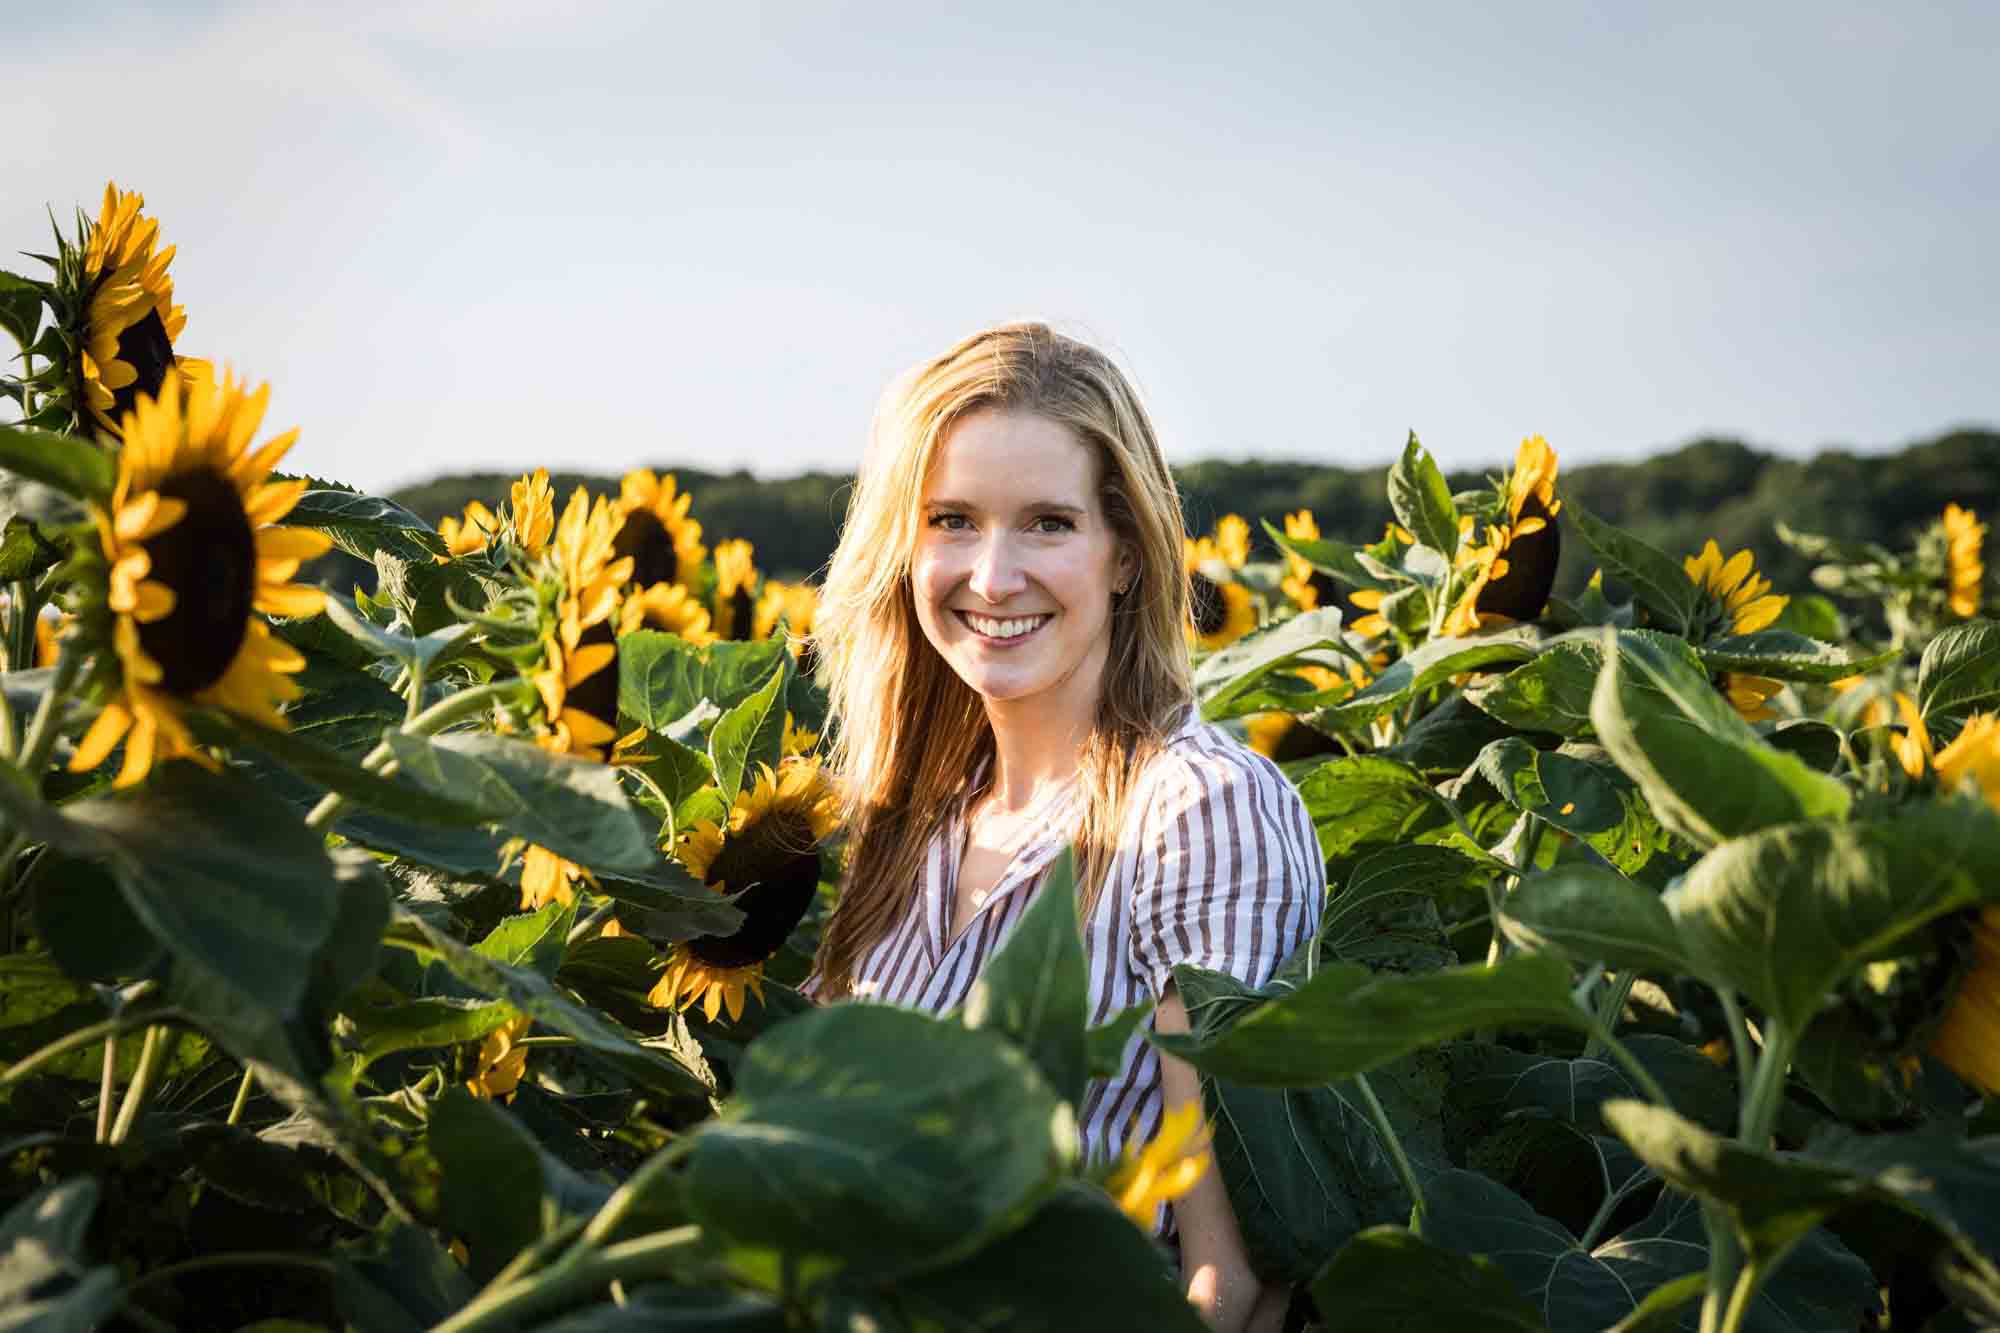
point(502, 1189)
point(1574, 794)
point(573, 807)
point(1387, 1278)
point(1347, 1020)
point(1491, 1085)
point(1332, 558)
point(71, 465)
point(1550, 693)
point(1077, 1264)
point(1432, 663)
point(362, 524)
point(404, 1282)
point(750, 734)
point(1784, 655)
point(1447, 738)
point(1659, 583)
point(879, 1138)
point(335, 772)
point(1960, 671)
point(1783, 914)
point(1230, 673)
point(1707, 775)
point(1360, 799)
point(662, 677)
point(1035, 990)
point(46, 1282)
point(1595, 915)
point(1421, 498)
point(1387, 913)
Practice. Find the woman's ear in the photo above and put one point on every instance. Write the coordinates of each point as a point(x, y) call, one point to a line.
point(1128, 568)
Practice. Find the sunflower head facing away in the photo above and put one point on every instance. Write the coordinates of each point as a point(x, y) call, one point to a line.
point(790, 607)
point(671, 607)
point(1965, 568)
point(1222, 611)
point(193, 557)
point(1968, 1037)
point(1306, 586)
point(470, 534)
point(769, 854)
point(118, 304)
point(655, 530)
point(1736, 599)
point(578, 682)
point(735, 589)
point(1232, 540)
point(1515, 568)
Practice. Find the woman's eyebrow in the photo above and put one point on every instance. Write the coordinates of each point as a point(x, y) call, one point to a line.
point(1032, 507)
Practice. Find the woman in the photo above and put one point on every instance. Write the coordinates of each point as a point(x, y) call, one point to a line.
point(1003, 634)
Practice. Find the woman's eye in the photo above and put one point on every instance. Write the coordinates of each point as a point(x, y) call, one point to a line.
point(1051, 523)
point(949, 522)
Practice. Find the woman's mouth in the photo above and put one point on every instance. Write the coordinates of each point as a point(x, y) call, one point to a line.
point(1003, 629)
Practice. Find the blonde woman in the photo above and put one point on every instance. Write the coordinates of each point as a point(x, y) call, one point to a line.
point(1003, 631)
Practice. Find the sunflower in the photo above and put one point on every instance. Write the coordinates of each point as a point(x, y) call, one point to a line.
point(669, 607)
point(797, 739)
point(532, 512)
point(1974, 754)
point(1281, 736)
point(1738, 601)
point(792, 606)
point(1968, 1038)
point(579, 680)
point(655, 530)
point(1232, 540)
point(1306, 586)
point(464, 536)
point(1164, 1169)
point(735, 578)
point(192, 556)
point(1222, 609)
point(548, 878)
point(502, 1061)
point(769, 852)
point(1514, 569)
point(129, 322)
point(1964, 570)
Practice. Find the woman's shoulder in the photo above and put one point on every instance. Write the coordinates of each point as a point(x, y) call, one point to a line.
point(1201, 763)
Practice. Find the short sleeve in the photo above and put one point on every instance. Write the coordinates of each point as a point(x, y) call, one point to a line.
point(1228, 874)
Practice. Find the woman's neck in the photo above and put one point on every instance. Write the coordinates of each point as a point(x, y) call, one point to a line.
point(1035, 747)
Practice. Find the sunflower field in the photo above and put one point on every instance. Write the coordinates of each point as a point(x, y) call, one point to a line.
point(426, 957)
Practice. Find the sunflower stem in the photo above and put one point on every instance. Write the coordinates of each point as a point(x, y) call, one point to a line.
point(242, 1096)
point(1609, 1007)
point(428, 722)
point(153, 1057)
point(42, 731)
point(107, 1082)
point(1385, 1130)
point(654, 1255)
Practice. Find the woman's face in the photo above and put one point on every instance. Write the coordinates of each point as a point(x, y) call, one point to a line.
point(1015, 563)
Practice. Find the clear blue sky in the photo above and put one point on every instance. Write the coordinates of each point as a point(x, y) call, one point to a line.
point(495, 234)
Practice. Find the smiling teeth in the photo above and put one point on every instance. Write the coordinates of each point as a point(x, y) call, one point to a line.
point(1004, 629)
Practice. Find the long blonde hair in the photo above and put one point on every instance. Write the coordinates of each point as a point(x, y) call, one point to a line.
point(911, 733)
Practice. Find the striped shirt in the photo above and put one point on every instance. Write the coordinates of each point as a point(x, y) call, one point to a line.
point(1218, 866)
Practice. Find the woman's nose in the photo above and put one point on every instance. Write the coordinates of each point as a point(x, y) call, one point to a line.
point(996, 573)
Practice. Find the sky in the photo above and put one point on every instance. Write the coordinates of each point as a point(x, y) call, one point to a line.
point(486, 236)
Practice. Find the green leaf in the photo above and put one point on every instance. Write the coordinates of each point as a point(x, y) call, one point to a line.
point(1784, 914)
point(421, 1024)
point(886, 1175)
point(1657, 580)
point(1035, 990)
point(1105, 1044)
point(662, 678)
point(405, 1283)
point(83, 918)
point(20, 307)
point(1334, 559)
point(361, 524)
point(1228, 674)
point(750, 734)
point(1422, 500)
point(1549, 693)
point(330, 770)
point(535, 995)
point(1384, 885)
point(1594, 915)
point(1360, 799)
point(1447, 738)
point(1960, 671)
point(40, 1004)
point(1783, 655)
point(73, 466)
point(1495, 1085)
point(573, 807)
point(1077, 1264)
point(502, 1190)
point(420, 650)
point(1573, 794)
point(46, 1283)
point(24, 551)
point(1347, 1020)
point(1431, 664)
point(1387, 1278)
point(1705, 773)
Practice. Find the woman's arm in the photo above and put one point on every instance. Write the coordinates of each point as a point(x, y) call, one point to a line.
point(1214, 1263)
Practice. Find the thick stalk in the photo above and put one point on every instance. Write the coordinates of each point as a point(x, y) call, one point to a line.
point(1725, 1264)
point(1620, 1052)
point(1766, 1092)
point(242, 1097)
point(1609, 1007)
point(81, 1038)
point(1731, 1286)
point(107, 1082)
point(1394, 1143)
point(655, 1255)
point(160, 1043)
point(42, 731)
point(1739, 1036)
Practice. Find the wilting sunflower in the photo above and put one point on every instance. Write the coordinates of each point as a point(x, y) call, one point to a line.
point(1964, 535)
point(770, 853)
point(193, 555)
point(464, 536)
point(1737, 600)
point(1306, 586)
point(1514, 569)
point(1968, 1038)
point(1164, 1169)
point(735, 589)
point(531, 513)
point(124, 321)
point(655, 530)
point(793, 606)
point(1222, 609)
point(670, 607)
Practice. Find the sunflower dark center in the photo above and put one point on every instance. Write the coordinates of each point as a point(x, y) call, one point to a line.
point(1327, 590)
point(740, 609)
point(597, 693)
point(209, 559)
point(643, 537)
point(1211, 613)
point(1299, 741)
point(1523, 591)
point(146, 349)
point(780, 864)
